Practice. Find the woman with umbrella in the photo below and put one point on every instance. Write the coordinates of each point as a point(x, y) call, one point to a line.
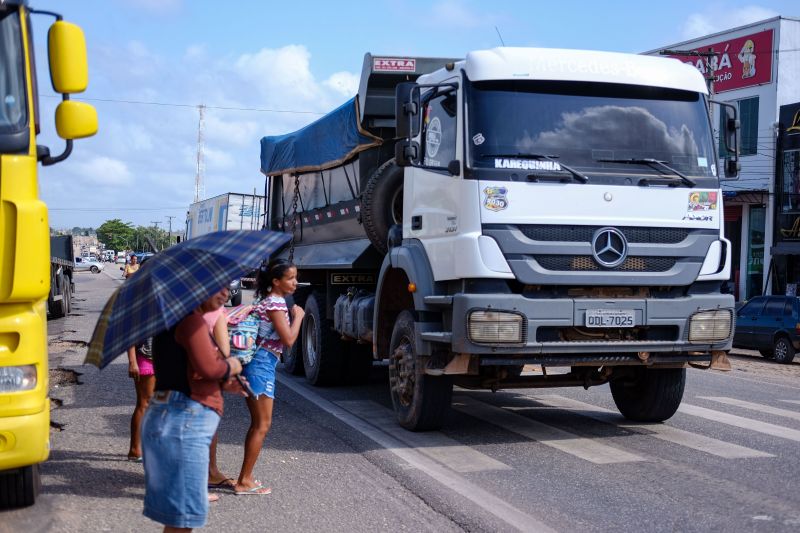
point(182, 418)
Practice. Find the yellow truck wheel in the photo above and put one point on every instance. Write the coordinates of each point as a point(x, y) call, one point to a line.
point(19, 487)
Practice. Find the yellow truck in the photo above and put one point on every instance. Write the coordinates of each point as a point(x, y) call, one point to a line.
point(24, 235)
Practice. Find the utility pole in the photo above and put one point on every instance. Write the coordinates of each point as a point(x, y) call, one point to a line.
point(170, 217)
point(199, 187)
point(709, 75)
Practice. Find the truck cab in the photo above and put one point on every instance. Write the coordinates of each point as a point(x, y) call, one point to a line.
point(25, 260)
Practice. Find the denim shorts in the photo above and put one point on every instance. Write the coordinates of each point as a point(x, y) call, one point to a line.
point(176, 435)
point(260, 372)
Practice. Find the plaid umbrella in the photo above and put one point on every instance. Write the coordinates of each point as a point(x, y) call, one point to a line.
point(173, 283)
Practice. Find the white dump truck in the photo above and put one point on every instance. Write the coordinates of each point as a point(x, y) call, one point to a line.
point(463, 218)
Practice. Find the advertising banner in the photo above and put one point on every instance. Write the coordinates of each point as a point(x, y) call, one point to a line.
point(742, 62)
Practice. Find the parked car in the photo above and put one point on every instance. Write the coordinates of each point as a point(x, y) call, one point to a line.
point(771, 325)
point(84, 264)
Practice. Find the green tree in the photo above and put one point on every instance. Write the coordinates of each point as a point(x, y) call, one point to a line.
point(115, 234)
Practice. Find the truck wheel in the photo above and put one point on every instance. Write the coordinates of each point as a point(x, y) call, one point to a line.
point(650, 395)
point(95, 270)
point(59, 308)
point(19, 488)
point(421, 402)
point(784, 351)
point(322, 347)
point(382, 203)
point(236, 300)
point(293, 357)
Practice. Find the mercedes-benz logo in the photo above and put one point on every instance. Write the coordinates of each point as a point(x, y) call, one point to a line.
point(609, 247)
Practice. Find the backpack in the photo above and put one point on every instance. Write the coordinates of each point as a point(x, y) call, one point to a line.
point(243, 331)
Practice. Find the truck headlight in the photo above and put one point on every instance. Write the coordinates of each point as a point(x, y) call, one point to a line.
point(710, 326)
point(496, 327)
point(17, 378)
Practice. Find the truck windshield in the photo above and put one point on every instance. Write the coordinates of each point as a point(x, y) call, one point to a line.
point(597, 129)
point(13, 112)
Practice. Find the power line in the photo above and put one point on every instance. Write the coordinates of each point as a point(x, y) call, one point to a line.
point(172, 104)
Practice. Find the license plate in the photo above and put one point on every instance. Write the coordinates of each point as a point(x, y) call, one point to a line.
point(610, 318)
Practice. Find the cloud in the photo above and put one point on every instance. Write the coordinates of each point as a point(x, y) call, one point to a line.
point(344, 83)
point(103, 171)
point(708, 22)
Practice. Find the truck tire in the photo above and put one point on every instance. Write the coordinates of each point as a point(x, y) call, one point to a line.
point(95, 270)
point(293, 357)
point(59, 308)
point(420, 401)
point(784, 351)
point(322, 346)
point(650, 395)
point(382, 203)
point(19, 488)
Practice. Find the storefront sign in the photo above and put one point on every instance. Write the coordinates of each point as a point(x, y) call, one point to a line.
point(736, 63)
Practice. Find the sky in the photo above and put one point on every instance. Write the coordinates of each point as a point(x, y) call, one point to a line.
point(269, 68)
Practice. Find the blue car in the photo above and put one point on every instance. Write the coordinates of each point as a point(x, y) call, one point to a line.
point(771, 325)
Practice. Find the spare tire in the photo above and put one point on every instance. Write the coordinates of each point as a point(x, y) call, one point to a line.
point(382, 203)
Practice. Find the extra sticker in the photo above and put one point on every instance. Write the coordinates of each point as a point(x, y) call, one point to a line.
point(478, 139)
point(433, 137)
point(702, 201)
point(495, 198)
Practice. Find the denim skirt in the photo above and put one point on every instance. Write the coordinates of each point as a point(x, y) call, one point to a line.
point(176, 435)
point(260, 373)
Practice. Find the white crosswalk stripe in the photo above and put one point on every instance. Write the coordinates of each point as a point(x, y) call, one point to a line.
point(791, 401)
point(741, 422)
point(754, 406)
point(589, 449)
point(663, 432)
point(435, 445)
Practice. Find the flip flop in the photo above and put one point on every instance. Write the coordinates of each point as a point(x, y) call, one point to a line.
point(225, 484)
point(134, 459)
point(256, 491)
point(213, 498)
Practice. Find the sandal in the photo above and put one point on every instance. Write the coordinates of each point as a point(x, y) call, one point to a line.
point(258, 490)
point(135, 458)
point(225, 484)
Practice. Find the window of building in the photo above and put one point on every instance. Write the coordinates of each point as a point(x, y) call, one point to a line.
point(748, 119)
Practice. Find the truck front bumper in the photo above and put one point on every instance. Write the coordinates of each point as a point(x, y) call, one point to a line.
point(24, 440)
point(558, 326)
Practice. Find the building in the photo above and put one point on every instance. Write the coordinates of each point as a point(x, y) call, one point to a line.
point(755, 68)
point(785, 264)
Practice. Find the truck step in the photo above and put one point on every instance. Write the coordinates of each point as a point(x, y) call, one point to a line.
point(439, 301)
point(437, 336)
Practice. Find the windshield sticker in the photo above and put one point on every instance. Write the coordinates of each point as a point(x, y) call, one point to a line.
point(713, 170)
point(433, 137)
point(527, 164)
point(478, 139)
point(495, 198)
point(702, 201)
point(702, 162)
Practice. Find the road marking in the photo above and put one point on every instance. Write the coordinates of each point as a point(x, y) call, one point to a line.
point(754, 406)
point(791, 401)
point(663, 432)
point(435, 445)
point(741, 422)
point(484, 499)
point(588, 449)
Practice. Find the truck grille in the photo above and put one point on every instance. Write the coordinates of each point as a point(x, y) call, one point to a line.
point(585, 263)
point(548, 233)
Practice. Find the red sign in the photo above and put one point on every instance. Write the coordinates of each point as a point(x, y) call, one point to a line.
point(741, 62)
point(386, 64)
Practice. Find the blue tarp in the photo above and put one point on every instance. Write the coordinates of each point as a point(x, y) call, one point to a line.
point(323, 144)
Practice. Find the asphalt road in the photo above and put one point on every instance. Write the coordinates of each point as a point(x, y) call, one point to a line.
point(531, 460)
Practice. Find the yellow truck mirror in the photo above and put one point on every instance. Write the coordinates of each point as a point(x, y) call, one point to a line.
point(75, 120)
point(69, 69)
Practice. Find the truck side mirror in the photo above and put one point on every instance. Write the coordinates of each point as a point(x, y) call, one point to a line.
point(69, 69)
point(730, 137)
point(406, 112)
point(405, 152)
point(75, 120)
